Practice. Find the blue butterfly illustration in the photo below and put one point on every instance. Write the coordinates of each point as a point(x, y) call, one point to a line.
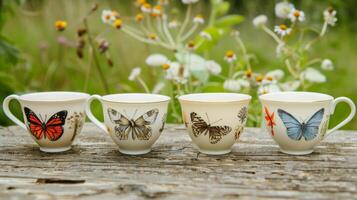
point(297, 130)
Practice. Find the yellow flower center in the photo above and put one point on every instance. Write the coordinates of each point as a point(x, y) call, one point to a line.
point(259, 78)
point(283, 27)
point(60, 25)
point(230, 54)
point(118, 23)
point(269, 78)
point(152, 36)
point(296, 13)
point(139, 17)
point(191, 44)
point(166, 66)
point(107, 17)
point(248, 73)
point(140, 2)
point(147, 5)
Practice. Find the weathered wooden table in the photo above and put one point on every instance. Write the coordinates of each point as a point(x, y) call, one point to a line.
point(94, 169)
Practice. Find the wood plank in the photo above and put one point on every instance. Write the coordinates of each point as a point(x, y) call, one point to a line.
point(95, 169)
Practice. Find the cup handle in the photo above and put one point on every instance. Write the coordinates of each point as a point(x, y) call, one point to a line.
point(8, 113)
point(90, 114)
point(348, 119)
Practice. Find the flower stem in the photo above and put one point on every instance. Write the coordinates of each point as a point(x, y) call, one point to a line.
point(189, 33)
point(272, 34)
point(244, 51)
point(142, 83)
point(185, 22)
point(95, 58)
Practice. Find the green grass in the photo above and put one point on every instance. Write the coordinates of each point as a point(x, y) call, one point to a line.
point(58, 68)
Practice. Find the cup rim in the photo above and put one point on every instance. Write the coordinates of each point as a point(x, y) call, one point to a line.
point(135, 98)
point(295, 97)
point(214, 97)
point(40, 96)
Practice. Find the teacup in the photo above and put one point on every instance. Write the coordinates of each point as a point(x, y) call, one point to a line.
point(214, 121)
point(134, 121)
point(298, 121)
point(53, 119)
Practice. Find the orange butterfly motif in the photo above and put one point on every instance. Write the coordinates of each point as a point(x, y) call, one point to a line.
point(270, 120)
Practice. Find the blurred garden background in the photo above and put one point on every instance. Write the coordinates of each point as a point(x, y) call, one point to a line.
point(35, 56)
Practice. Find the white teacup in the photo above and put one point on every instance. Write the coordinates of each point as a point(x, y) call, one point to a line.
point(214, 120)
point(298, 121)
point(133, 121)
point(53, 119)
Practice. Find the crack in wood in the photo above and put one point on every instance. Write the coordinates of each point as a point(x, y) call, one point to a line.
point(58, 181)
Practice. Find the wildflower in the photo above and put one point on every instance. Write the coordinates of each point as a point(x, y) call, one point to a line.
point(213, 67)
point(134, 73)
point(158, 87)
point(198, 19)
point(165, 66)
point(173, 24)
point(259, 78)
point(230, 56)
point(152, 36)
point(275, 74)
point(140, 2)
point(282, 30)
point(330, 16)
point(191, 45)
point(60, 25)
point(268, 88)
point(282, 9)
point(327, 64)
point(290, 85)
point(156, 11)
point(243, 83)
point(156, 60)
point(189, 1)
point(146, 8)
point(118, 23)
point(296, 15)
point(108, 17)
point(248, 73)
point(232, 85)
point(115, 14)
point(206, 35)
point(260, 21)
point(313, 75)
point(178, 73)
point(139, 17)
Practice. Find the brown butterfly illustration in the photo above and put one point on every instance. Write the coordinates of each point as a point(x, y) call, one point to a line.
point(199, 127)
point(163, 122)
point(237, 132)
point(139, 128)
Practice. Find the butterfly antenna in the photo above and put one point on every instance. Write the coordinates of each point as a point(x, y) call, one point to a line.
point(134, 114)
point(208, 119)
point(216, 121)
point(42, 118)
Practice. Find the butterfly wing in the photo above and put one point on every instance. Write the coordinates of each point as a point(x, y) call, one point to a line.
point(198, 124)
point(34, 123)
point(313, 124)
point(141, 129)
point(293, 126)
point(122, 124)
point(217, 132)
point(54, 126)
point(163, 122)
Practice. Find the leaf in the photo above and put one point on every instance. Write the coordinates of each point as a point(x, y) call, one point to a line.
point(228, 21)
point(8, 53)
point(222, 8)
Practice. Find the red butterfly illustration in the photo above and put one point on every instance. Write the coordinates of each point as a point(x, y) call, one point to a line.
point(52, 129)
point(269, 118)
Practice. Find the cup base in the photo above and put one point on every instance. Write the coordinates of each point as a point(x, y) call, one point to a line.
point(134, 152)
point(290, 152)
point(215, 152)
point(55, 150)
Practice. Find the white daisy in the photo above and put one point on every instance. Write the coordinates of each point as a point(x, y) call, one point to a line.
point(189, 1)
point(327, 64)
point(156, 60)
point(268, 88)
point(232, 85)
point(313, 75)
point(243, 83)
point(108, 17)
point(206, 35)
point(296, 15)
point(290, 85)
point(282, 9)
point(330, 16)
point(282, 30)
point(134, 73)
point(230, 56)
point(177, 72)
point(146, 8)
point(213, 67)
point(260, 20)
point(199, 19)
point(275, 74)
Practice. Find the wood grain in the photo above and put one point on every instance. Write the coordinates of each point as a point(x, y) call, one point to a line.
point(95, 169)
